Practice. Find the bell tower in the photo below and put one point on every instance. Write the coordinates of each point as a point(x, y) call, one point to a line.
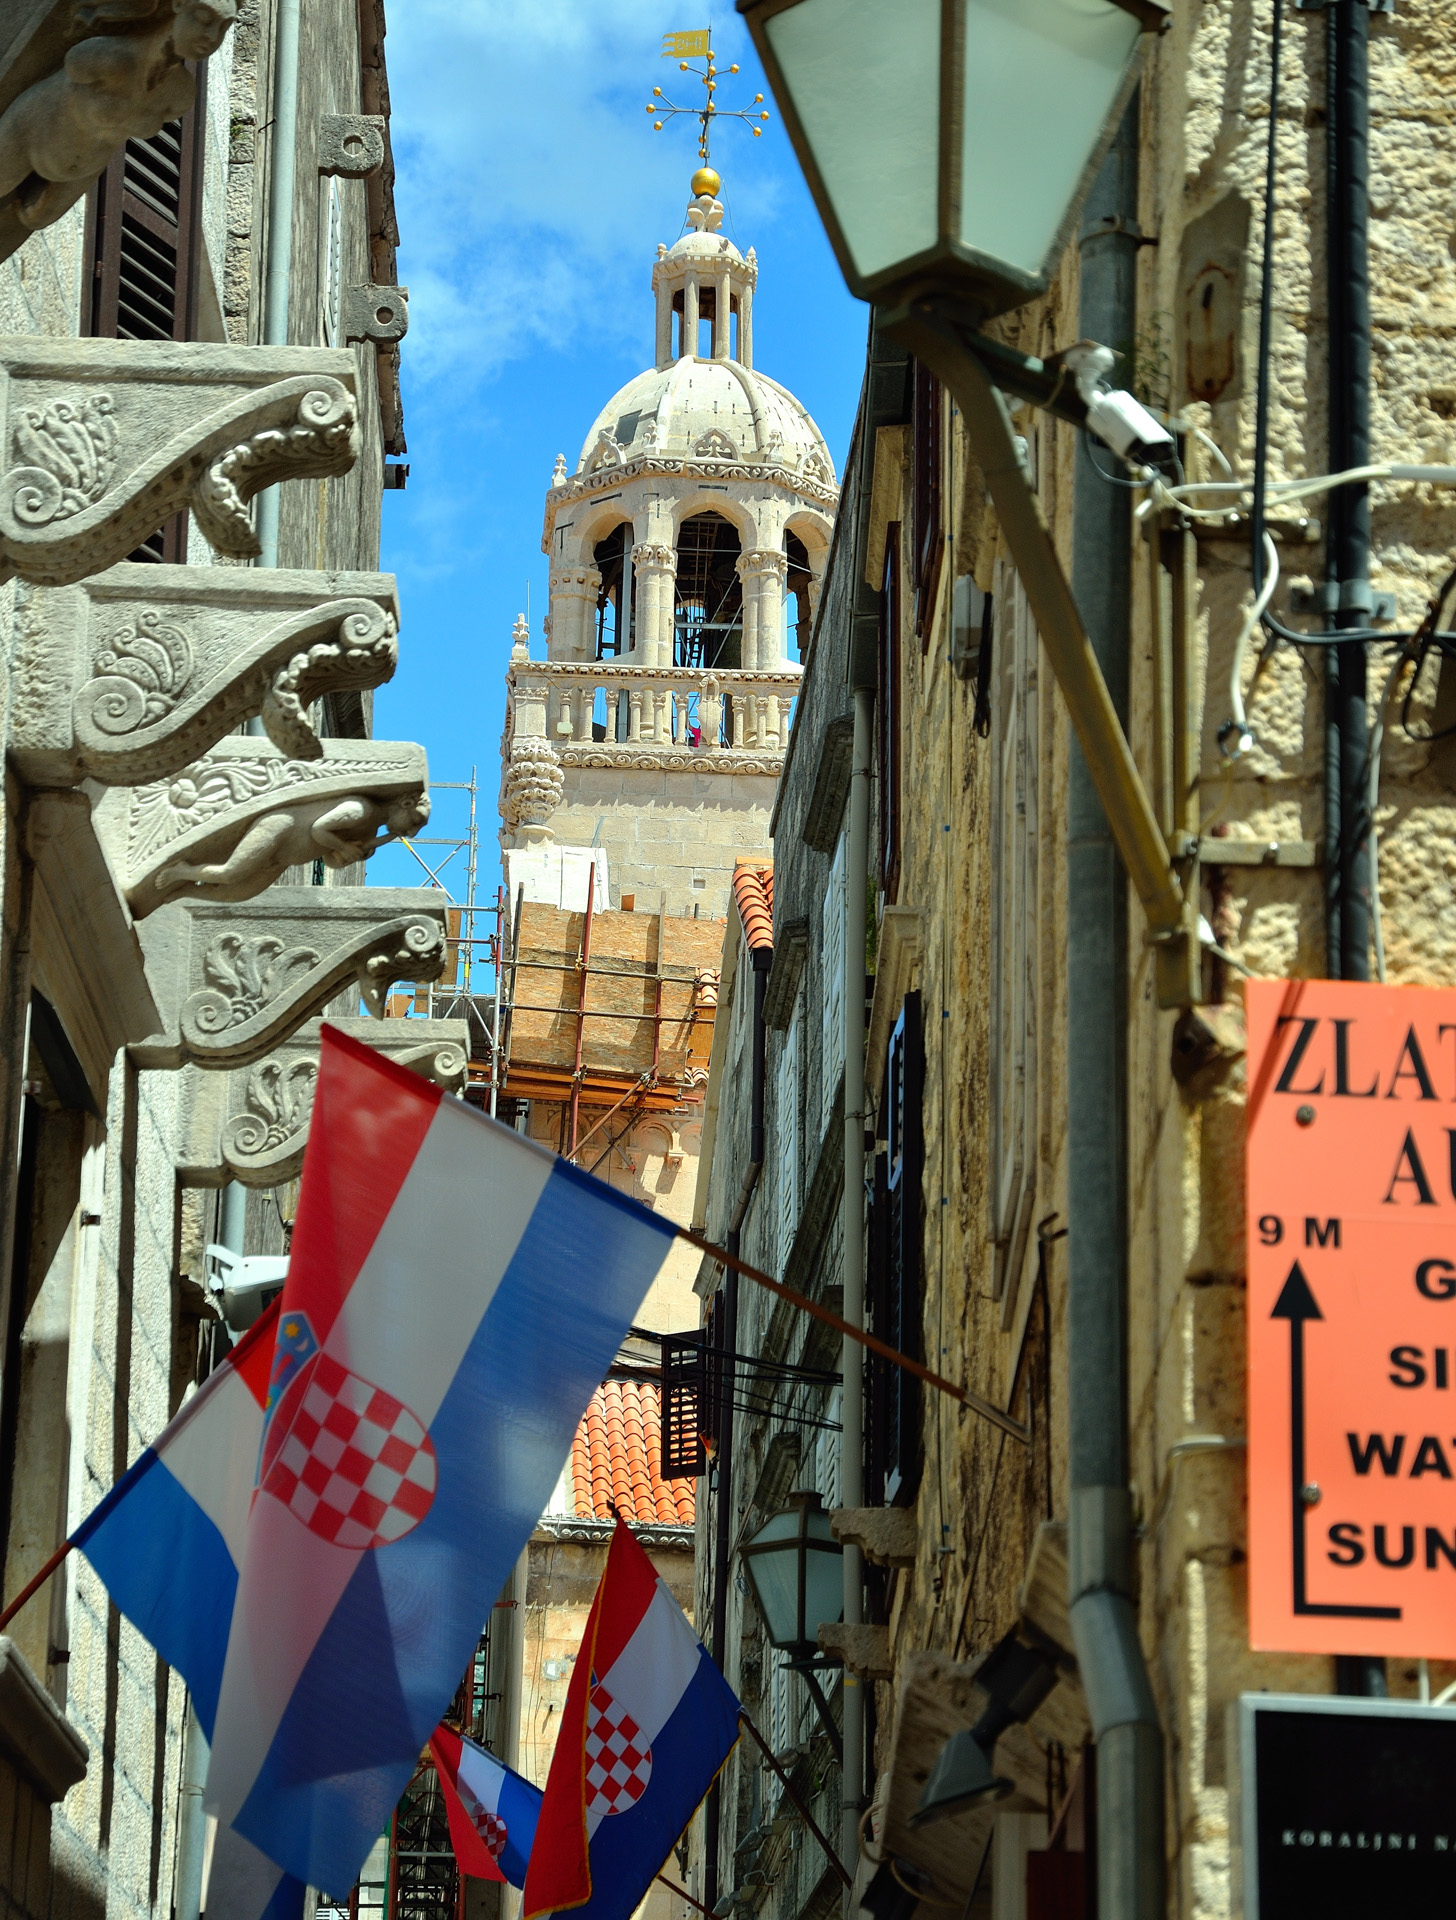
point(687, 546)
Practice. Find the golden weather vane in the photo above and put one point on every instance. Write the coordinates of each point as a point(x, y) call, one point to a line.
point(685, 48)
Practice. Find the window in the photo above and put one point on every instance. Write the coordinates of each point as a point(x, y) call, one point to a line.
point(928, 547)
point(831, 988)
point(893, 1453)
point(786, 1112)
point(141, 240)
point(1015, 949)
point(889, 719)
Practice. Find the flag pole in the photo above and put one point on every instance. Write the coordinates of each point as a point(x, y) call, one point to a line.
point(32, 1587)
point(830, 1855)
point(966, 1396)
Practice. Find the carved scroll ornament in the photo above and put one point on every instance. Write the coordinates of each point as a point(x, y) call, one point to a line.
point(233, 823)
point(252, 1125)
point(233, 983)
point(129, 677)
point(102, 441)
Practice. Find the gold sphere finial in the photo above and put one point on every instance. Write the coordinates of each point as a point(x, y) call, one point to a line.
point(705, 180)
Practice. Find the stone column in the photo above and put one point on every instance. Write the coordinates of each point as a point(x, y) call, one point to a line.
point(532, 781)
point(690, 316)
point(574, 593)
point(656, 568)
point(764, 574)
point(723, 317)
point(745, 326)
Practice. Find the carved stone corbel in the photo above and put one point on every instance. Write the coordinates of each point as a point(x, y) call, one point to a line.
point(102, 441)
point(351, 144)
point(233, 822)
point(234, 980)
point(131, 675)
point(252, 1125)
point(78, 78)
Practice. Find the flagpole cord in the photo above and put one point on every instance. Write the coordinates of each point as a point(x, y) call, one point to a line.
point(1008, 1423)
point(32, 1587)
point(830, 1855)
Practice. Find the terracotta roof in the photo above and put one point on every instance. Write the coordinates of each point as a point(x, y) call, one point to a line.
point(615, 1459)
point(753, 890)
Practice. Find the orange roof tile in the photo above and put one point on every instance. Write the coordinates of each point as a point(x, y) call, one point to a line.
point(615, 1460)
point(753, 890)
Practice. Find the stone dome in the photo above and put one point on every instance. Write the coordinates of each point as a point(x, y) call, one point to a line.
point(697, 409)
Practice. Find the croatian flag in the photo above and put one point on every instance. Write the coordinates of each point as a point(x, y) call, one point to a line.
point(491, 1809)
point(648, 1722)
point(168, 1538)
point(455, 1294)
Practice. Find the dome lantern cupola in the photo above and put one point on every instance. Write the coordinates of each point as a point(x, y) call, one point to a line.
point(703, 280)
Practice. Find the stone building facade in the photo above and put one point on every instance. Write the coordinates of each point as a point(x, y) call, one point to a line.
point(200, 334)
point(973, 972)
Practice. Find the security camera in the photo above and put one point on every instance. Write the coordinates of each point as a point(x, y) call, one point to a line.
point(243, 1284)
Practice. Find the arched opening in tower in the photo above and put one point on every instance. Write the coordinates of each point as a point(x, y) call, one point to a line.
point(798, 591)
point(616, 612)
point(708, 614)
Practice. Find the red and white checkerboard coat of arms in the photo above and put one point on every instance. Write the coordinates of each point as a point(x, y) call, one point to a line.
point(618, 1759)
point(490, 1826)
point(347, 1458)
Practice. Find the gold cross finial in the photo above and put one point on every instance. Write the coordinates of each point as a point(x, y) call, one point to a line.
point(685, 48)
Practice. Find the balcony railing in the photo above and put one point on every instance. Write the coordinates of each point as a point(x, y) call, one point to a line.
point(608, 706)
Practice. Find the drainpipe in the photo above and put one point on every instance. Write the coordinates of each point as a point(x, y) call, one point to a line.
point(1347, 555)
point(278, 263)
point(1100, 1547)
point(762, 958)
point(851, 1359)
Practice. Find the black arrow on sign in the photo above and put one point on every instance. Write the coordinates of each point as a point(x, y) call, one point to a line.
point(1296, 1304)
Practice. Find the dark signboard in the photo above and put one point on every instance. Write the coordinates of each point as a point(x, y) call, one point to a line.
point(1348, 1807)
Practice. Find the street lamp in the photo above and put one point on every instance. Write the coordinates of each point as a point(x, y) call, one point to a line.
point(795, 1567)
point(948, 143)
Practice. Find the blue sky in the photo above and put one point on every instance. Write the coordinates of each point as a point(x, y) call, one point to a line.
point(531, 193)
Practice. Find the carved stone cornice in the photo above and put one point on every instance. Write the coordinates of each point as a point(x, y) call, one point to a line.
point(131, 675)
point(788, 680)
point(670, 759)
point(252, 1125)
point(804, 484)
point(233, 822)
point(102, 441)
point(233, 980)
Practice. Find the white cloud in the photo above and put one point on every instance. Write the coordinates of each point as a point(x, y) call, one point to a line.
point(531, 186)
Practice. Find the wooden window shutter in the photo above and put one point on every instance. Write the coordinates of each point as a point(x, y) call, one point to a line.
point(142, 240)
point(929, 534)
point(895, 1266)
point(889, 716)
point(684, 1396)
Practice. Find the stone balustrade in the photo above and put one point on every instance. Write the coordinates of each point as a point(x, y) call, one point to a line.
point(610, 711)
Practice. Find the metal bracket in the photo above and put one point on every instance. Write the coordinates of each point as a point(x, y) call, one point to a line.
point(376, 313)
point(1230, 852)
point(1327, 599)
point(1318, 6)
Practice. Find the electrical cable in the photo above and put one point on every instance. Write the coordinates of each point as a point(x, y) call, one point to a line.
point(1257, 531)
point(1237, 726)
point(1372, 798)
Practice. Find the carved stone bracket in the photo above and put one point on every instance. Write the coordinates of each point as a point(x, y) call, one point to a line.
point(234, 980)
point(102, 441)
point(252, 1125)
point(129, 676)
point(233, 822)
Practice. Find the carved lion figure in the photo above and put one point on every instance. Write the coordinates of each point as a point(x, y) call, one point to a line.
point(125, 81)
point(338, 832)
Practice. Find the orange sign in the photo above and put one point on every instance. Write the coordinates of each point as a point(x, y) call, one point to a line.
point(1351, 1189)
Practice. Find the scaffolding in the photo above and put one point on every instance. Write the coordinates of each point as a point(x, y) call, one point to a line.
point(623, 1031)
